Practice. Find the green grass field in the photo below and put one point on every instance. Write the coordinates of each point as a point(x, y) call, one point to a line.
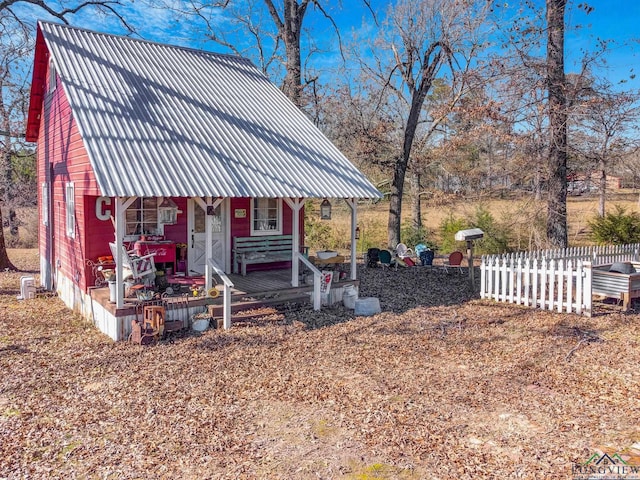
point(524, 217)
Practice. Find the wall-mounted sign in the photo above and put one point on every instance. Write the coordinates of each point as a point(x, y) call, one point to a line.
point(240, 213)
point(102, 212)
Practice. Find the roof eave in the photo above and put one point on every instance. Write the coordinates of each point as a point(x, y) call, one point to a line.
point(40, 62)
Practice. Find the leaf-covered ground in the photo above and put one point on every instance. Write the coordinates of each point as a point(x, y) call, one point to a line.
point(438, 386)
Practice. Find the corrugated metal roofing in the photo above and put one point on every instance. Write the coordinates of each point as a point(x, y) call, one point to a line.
point(161, 120)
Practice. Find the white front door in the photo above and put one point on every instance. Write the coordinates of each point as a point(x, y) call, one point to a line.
point(197, 237)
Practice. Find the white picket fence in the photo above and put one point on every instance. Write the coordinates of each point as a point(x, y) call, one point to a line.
point(549, 279)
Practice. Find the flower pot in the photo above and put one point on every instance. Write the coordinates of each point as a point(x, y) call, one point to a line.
point(326, 254)
point(200, 322)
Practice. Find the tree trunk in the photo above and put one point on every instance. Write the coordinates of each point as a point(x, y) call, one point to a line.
point(557, 195)
point(430, 66)
point(538, 183)
point(5, 263)
point(292, 84)
point(416, 207)
point(395, 201)
point(603, 190)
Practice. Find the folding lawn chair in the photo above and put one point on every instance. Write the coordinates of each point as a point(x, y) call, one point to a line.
point(455, 260)
point(386, 259)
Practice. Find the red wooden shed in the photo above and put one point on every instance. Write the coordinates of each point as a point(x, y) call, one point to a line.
point(125, 128)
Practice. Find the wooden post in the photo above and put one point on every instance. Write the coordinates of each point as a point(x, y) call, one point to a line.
point(470, 263)
point(353, 205)
point(296, 205)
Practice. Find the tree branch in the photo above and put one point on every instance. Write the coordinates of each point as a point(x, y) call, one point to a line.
point(373, 14)
point(274, 14)
point(335, 27)
point(64, 12)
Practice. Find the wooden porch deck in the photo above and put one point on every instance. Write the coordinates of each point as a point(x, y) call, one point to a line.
point(261, 281)
point(253, 285)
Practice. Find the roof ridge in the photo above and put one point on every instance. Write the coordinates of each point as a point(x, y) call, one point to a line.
point(120, 37)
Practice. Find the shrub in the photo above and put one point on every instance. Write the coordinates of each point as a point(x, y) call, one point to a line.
point(616, 228)
point(318, 234)
point(412, 236)
point(448, 228)
point(496, 236)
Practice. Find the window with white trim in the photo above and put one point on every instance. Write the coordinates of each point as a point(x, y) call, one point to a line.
point(266, 216)
point(141, 218)
point(70, 200)
point(52, 76)
point(44, 199)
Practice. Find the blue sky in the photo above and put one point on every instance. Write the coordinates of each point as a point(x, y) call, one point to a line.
point(610, 20)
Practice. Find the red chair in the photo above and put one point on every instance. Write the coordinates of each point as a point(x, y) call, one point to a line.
point(455, 260)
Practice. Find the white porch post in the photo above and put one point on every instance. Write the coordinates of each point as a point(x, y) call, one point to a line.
point(208, 229)
point(296, 205)
point(208, 252)
point(121, 206)
point(353, 204)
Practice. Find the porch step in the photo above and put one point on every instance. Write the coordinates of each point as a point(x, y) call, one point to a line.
point(243, 306)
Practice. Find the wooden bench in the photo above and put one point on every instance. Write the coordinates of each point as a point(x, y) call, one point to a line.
point(266, 249)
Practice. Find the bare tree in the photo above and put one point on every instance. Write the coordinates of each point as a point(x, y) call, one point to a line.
point(63, 11)
point(14, 49)
point(270, 32)
point(361, 129)
point(605, 130)
point(423, 40)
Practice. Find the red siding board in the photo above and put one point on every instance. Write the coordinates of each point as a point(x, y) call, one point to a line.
point(62, 158)
point(62, 152)
point(178, 232)
point(98, 233)
point(241, 227)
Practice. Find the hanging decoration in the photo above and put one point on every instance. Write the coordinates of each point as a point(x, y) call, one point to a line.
point(325, 210)
point(167, 212)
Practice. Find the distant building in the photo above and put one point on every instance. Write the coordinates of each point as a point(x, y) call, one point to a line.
point(580, 182)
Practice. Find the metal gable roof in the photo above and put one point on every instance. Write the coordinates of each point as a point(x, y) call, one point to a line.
point(160, 120)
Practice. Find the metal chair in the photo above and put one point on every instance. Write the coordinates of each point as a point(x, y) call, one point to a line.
point(403, 256)
point(386, 260)
point(373, 257)
point(402, 251)
point(454, 260)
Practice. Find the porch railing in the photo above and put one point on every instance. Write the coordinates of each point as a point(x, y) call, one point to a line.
point(226, 295)
point(317, 299)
